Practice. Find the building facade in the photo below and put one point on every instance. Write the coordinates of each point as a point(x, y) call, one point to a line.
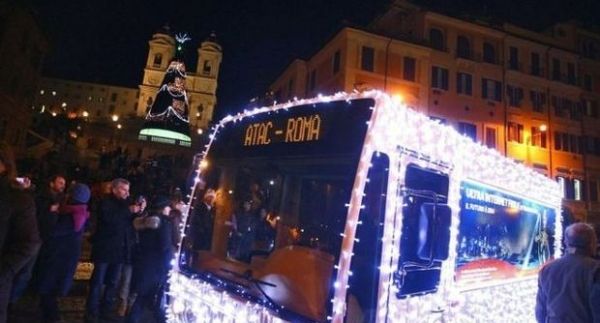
point(533, 96)
point(23, 46)
point(201, 84)
point(93, 101)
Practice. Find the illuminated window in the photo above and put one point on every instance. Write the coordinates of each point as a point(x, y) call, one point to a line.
point(464, 83)
point(515, 132)
point(439, 78)
point(577, 188)
point(538, 137)
point(490, 137)
point(562, 183)
point(491, 89)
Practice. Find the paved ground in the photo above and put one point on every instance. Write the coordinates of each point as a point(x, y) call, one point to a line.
point(72, 307)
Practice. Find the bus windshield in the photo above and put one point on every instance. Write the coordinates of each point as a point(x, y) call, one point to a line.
point(267, 223)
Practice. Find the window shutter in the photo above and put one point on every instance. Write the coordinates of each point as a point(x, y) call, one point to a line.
point(444, 79)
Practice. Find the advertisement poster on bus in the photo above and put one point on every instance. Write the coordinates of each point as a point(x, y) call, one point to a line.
point(501, 236)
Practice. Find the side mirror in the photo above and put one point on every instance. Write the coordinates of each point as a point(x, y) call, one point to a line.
point(434, 232)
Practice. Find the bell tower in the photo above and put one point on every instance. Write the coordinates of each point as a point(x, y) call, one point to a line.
point(203, 98)
point(161, 51)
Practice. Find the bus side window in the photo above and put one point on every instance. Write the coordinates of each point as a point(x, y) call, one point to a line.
point(425, 231)
point(363, 283)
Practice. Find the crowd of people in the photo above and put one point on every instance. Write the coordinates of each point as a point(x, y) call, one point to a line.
point(133, 240)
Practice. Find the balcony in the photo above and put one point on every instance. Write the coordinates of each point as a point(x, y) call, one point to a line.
point(565, 78)
point(514, 66)
point(488, 59)
point(467, 54)
point(537, 71)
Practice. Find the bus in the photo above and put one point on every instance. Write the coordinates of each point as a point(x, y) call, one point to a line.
point(357, 208)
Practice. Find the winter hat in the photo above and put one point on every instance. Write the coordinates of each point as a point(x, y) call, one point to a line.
point(80, 193)
point(159, 202)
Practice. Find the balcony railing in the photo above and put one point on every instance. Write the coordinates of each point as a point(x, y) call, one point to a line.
point(514, 66)
point(537, 71)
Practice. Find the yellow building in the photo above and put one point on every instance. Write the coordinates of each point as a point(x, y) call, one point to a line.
point(532, 96)
point(201, 84)
point(22, 49)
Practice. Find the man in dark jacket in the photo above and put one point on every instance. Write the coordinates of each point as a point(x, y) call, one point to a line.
point(152, 262)
point(19, 237)
point(202, 222)
point(46, 205)
point(569, 287)
point(109, 249)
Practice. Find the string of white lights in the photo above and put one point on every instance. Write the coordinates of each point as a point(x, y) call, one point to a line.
point(392, 125)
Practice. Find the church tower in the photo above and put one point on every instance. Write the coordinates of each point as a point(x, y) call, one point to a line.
point(203, 89)
point(161, 51)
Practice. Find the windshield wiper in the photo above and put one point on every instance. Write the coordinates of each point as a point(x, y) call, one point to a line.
point(247, 276)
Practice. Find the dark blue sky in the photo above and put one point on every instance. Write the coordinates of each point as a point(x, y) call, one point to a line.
point(105, 41)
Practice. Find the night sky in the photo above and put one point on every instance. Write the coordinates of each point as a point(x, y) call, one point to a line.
point(106, 41)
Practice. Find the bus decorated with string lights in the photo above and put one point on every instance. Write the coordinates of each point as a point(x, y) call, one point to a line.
point(356, 208)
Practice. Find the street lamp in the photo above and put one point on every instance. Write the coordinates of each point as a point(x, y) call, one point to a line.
point(200, 131)
point(115, 118)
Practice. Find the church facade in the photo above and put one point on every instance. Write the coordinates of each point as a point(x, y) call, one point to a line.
point(200, 84)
